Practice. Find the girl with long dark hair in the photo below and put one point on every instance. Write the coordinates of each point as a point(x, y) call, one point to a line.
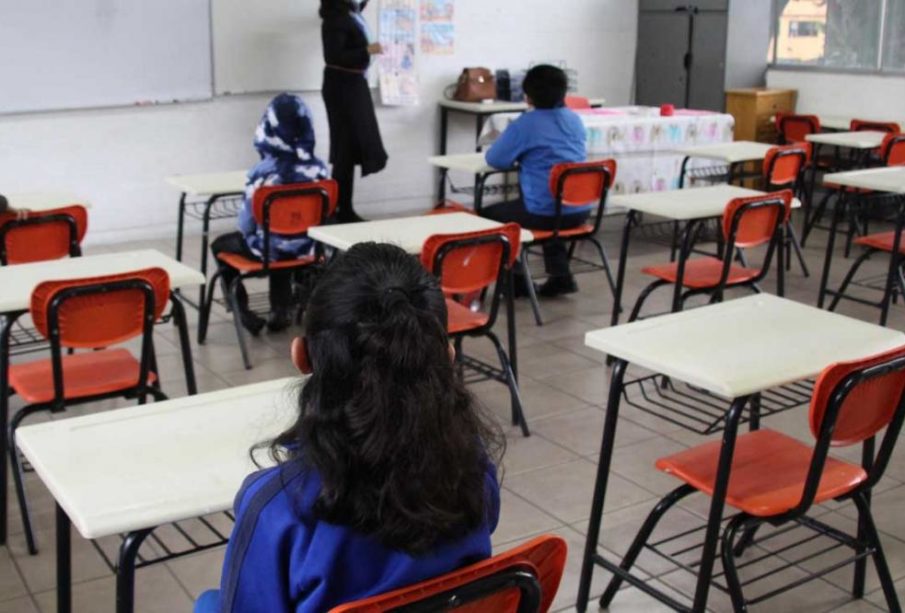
point(388, 476)
point(354, 132)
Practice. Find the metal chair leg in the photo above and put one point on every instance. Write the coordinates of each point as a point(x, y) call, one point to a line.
point(816, 217)
point(19, 475)
point(727, 552)
point(636, 310)
point(532, 295)
point(606, 265)
point(205, 308)
point(870, 529)
point(792, 238)
point(848, 278)
point(518, 413)
point(237, 321)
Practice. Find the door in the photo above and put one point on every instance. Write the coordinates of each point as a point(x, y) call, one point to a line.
point(708, 61)
point(660, 75)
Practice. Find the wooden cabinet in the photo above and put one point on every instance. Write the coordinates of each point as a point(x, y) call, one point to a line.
point(754, 108)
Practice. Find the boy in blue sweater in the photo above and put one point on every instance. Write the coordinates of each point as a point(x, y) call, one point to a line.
point(538, 140)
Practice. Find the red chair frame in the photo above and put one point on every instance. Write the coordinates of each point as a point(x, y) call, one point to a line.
point(290, 209)
point(522, 580)
point(892, 151)
point(487, 258)
point(42, 235)
point(852, 402)
point(87, 314)
point(577, 103)
point(793, 128)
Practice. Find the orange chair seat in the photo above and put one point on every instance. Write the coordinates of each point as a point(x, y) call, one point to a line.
point(244, 264)
point(84, 374)
point(541, 235)
point(701, 273)
point(882, 241)
point(768, 472)
point(462, 319)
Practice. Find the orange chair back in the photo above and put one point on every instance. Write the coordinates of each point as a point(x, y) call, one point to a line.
point(543, 557)
point(893, 150)
point(577, 103)
point(783, 165)
point(862, 125)
point(43, 235)
point(756, 219)
point(99, 311)
point(793, 128)
point(582, 183)
point(868, 407)
point(470, 261)
point(294, 208)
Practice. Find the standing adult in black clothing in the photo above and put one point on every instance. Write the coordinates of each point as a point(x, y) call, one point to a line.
point(354, 133)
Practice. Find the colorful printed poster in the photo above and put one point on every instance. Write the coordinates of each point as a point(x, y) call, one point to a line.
point(437, 38)
point(396, 65)
point(437, 10)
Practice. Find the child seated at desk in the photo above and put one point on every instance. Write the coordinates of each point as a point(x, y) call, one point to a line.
point(285, 141)
point(388, 476)
point(538, 140)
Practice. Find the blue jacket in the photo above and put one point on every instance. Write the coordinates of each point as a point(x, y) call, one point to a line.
point(537, 141)
point(280, 558)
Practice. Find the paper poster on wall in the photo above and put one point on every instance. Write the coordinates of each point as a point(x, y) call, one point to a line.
point(437, 29)
point(396, 66)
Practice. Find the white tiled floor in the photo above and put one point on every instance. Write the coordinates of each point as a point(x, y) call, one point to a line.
point(548, 478)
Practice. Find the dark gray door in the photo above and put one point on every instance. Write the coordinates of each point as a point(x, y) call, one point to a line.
point(660, 75)
point(708, 64)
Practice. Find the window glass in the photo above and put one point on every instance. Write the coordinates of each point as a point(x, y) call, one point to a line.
point(831, 33)
point(894, 50)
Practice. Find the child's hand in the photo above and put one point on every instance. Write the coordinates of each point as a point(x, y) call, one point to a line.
point(375, 49)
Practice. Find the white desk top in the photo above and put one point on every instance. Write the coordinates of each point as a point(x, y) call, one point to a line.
point(20, 280)
point(852, 140)
point(745, 345)
point(43, 201)
point(497, 106)
point(211, 184)
point(141, 467)
point(685, 204)
point(406, 232)
point(890, 179)
point(731, 153)
point(473, 163)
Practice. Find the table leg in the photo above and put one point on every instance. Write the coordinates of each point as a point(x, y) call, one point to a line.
point(689, 235)
point(620, 270)
point(479, 182)
point(185, 344)
point(180, 227)
point(6, 325)
point(894, 263)
point(809, 191)
point(600, 485)
point(510, 323)
point(205, 237)
point(683, 170)
point(830, 243)
point(125, 570)
point(444, 127)
point(867, 461)
point(717, 502)
point(64, 561)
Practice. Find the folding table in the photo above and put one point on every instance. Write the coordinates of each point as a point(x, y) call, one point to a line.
point(20, 280)
point(473, 163)
point(43, 201)
point(733, 154)
point(128, 471)
point(683, 206)
point(889, 180)
point(728, 355)
point(198, 197)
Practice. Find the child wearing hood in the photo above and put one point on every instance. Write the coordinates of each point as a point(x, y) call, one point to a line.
point(285, 141)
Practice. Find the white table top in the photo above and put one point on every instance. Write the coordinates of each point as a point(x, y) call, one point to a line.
point(406, 232)
point(685, 204)
point(852, 140)
point(43, 201)
point(473, 163)
point(731, 153)
point(497, 106)
point(744, 345)
point(891, 179)
point(210, 184)
point(144, 466)
point(20, 280)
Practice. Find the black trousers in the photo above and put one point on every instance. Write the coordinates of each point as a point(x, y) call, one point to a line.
point(556, 256)
point(280, 280)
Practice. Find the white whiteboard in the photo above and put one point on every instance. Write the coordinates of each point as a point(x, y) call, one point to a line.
point(65, 54)
point(269, 45)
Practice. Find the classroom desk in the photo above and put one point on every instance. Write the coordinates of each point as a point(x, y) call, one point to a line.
point(862, 140)
point(733, 154)
point(473, 163)
point(43, 201)
point(19, 281)
point(198, 196)
point(682, 206)
point(889, 180)
point(734, 350)
point(130, 470)
point(480, 111)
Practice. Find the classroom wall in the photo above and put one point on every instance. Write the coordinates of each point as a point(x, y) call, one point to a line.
point(117, 158)
point(844, 94)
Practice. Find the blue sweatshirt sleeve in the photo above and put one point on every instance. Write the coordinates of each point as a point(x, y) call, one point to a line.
point(509, 147)
point(246, 223)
